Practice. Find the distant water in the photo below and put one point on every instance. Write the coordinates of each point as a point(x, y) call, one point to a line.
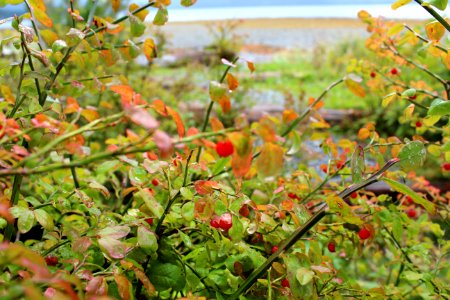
point(306, 11)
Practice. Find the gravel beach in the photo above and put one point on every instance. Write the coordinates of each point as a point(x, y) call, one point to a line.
point(279, 33)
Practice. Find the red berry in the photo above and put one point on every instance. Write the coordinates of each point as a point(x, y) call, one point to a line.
point(215, 222)
point(364, 233)
point(413, 97)
point(244, 211)
point(292, 196)
point(409, 200)
point(331, 247)
point(340, 164)
point(149, 221)
point(354, 195)
point(394, 71)
point(285, 283)
point(373, 74)
point(418, 124)
point(51, 260)
point(446, 166)
point(155, 182)
point(224, 148)
point(225, 221)
point(274, 249)
point(324, 168)
point(411, 213)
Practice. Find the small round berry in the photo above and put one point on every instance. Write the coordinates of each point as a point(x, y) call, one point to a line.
point(409, 200)
point(224, 148)
point(446, 166)
point(285, 283)
point(51, 260)
point(418, 124)
point(373, 74)
point(274, 249)
point(324, 168)
point(155, 182)
point(215, 222)
point(331, 247)
point(394, 71)
point(364, 233)
point(292, 196)
point(149, 221)
point(257, 238)
point(354, 195)
point(244, 211)
point(414, 97)
point(340, 164)
point(412, 213)
point(225, 221)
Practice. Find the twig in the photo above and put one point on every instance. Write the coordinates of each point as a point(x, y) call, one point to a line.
point(437, 16)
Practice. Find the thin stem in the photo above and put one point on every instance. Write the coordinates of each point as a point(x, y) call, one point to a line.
point(71, 9)
point(74, 175)
point(30, 63)
point(423, 39)
point(18, 101)
point(89, 79)
point(310, 107)
point(210, 107)
point(437, 16)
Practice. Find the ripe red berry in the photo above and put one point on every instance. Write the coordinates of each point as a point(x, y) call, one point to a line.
point(446, 166)
point(51, 260)
point(224, 148)
point(149, 221)
point(354, 195)
point(340, 164)
point(413, 97)
point(292, 196)
point(373, 74)
point(409, 200)
point(324, 168)
point(394, 71)
point(155, 182)
point(257, 238)
point(418, 124)
point(225, 221)
point(244, 211)
point(364, 233)
point(411, 213)
point(285, 283)
point(331, 247)
point(215, 222)
point(274, 249)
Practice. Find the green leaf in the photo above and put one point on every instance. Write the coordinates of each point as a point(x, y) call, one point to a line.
point(217, 91)
point(342, 209)
point(237, 231)
point(304, 276)
point(137, 27)
point(357, 164)
point(153, 205)
point(10, 2)
point(388, 99)
point(446, 147)
point(412, 155)
point(397, 228)
point(188, 210)
point(439, 108)
point(25, 221)
point(162, 16)
point(166, 275)
point(413, 276)
point(147, 240)
point(439, 4)
point(409, 93)
point(138, 176)
point(44, 219)
point(188, 3)
point(186, 193)
point(401, 188)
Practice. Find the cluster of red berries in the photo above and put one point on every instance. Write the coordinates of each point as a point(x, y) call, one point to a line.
point(224, 222)
point(363, 234)
point(224, 148)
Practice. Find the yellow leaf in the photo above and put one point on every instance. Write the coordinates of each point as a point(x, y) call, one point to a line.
point(363, 133)
point(115, 5)
point(431, 120)
point(355, 88)
point(149, 49)
point(435, 31)
point(434, 150)
point(409, 111)
point(7, 94)
point(49, 36)
point(270, 161)
point(90, 114)
point(399, 3)
point(141, 15)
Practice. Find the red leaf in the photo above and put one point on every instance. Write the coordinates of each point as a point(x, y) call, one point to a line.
point(97, 286)
point(204, 187)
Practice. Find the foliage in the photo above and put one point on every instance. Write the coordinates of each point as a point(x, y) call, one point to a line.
point(107, 191)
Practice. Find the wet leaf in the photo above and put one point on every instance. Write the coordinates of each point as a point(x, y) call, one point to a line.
point(412, 155)
point(439, 108)
point(114, 232)
point(44, 219)
point(147, 240)
point(162, 16)
point(113, 248)
point(166, 275)
point(435, 31)
point(358, 164)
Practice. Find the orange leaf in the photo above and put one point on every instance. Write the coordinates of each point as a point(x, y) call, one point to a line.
point(232, 82)
point(90, 114)
point(160, 107)
point(242, 156)
point(216, 125)
point(250, 66)
point(125, 91)
point(363, 133)
point(123, 286)
point(435, 31)
point(204, 187)
point(141, 15)
point(178, 121)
